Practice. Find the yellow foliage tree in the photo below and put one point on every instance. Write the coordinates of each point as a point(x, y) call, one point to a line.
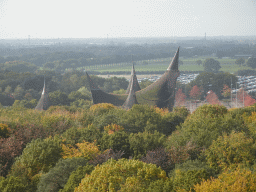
point(121, 175)
point(97, 108)
point(85, 149)
point(110, 129)
point(230, 151)
point(239, 180)
point(5, 131)
point(161, 111)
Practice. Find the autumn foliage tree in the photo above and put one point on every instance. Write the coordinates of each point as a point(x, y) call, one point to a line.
point(245, 98)
point(195, 93)
point(180, 98)
point(226, 91)
point(212, 98)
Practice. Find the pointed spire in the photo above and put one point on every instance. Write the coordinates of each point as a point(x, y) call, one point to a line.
point(43, 88)
point(133, 81)
point(174, 65)
point(91, 83)
point(44, 102)
point(131, 99)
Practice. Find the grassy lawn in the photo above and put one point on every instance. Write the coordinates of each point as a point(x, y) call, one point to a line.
point(189, 64)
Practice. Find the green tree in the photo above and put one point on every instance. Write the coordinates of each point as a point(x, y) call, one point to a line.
point(145, 83)
point(59, 98)
point(85, 92)
point(76, 95)
point(121, 91)
point(39, 155)
point(76, 135)
point(18, 92)
point(228, 151)
point(215, 82)
point(58, 176)
point(118, 141)
point(142, 118)
point(186, 175)
point(204, 125)
point(211, 65)
point(251, 62)
point(75, 178)
point(8, 89)
point(240, 61)
point(140, 143)
point(11, 184)
point(199, 62)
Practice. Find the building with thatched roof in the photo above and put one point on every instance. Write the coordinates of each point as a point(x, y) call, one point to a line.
point(44, 102)
point(160, 93)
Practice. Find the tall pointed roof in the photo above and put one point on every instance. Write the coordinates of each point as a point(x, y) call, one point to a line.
point(174, 65)
point(160, 93)
point(131, 99)
point(91, 83)
point(133, 82)
point(44, 102)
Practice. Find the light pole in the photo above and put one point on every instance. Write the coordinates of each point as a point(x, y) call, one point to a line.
point(236, 94)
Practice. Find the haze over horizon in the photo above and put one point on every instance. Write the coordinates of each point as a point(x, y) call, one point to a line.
point(119, 18)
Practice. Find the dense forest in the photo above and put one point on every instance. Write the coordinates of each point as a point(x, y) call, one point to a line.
point(78, 146)
point(106, 148)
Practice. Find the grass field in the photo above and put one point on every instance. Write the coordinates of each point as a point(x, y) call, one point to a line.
point(189, 64)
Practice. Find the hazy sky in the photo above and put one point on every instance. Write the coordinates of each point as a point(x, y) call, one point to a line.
point(126, 18)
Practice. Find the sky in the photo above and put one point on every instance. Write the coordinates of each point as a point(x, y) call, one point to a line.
point(126, 18)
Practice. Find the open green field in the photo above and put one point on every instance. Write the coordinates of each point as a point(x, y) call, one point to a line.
point(189, 64)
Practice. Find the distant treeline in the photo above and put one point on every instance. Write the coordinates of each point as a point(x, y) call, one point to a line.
point(61, 57)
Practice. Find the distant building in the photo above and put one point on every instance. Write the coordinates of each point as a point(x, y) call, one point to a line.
point(160, 93)
point(44, 102)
